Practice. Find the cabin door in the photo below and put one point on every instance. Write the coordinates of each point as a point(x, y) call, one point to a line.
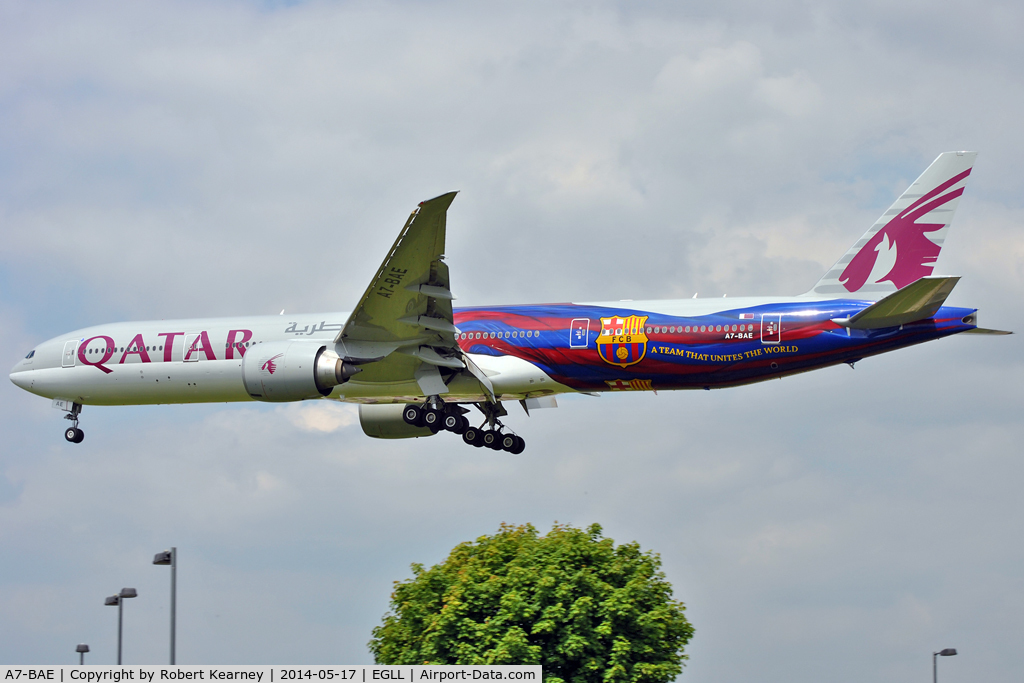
point(771, 328)
point(579, 333)
point(70, 349)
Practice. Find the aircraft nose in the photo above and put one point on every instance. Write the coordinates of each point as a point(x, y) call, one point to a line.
point(20, 378)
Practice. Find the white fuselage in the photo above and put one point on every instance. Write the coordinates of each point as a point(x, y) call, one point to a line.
point(200, 361)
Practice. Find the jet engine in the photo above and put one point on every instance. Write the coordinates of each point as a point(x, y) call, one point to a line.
point(293, 371)
point(385, 421)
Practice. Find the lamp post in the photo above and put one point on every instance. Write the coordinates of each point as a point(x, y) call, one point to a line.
point(118, 600)
point(81, 649)
point(948, 652)
point(170, 557)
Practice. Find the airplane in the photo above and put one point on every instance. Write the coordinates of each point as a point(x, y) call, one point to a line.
point(413, 362)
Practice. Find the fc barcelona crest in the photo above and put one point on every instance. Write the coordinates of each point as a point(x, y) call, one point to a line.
point(622, 341)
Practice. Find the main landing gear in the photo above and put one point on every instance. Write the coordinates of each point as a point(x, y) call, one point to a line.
point(437, 415)
point(73, 433)
point(494, 439)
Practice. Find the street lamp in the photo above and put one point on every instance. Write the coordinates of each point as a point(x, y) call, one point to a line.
point(118, 600)
point(81, 649)
point(948, 652)
point(170, 557)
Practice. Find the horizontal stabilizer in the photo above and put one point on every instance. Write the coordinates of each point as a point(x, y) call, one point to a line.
point(917, 301)
point(984, 330)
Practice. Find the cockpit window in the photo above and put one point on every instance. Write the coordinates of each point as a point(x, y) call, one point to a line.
point(30, 354)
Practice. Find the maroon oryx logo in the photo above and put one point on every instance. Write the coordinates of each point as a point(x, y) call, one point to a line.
point(270, 366)
point(903, 244)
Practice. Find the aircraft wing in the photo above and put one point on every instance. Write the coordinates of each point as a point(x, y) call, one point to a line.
point(402, 329)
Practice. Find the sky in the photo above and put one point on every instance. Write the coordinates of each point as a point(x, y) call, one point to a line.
point(173, 159)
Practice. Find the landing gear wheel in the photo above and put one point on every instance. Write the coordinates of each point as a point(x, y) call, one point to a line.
point(519, 447)
point(473, 436)
point(413, 415)
point(73, 434)
point(455, 423)
point(432, 419)
point(492, 439)
point(508, 442)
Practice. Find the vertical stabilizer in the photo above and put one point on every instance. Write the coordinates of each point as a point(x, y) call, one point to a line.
point(902, 246)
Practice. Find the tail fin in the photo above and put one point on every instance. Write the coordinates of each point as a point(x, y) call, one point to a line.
point(898, 250)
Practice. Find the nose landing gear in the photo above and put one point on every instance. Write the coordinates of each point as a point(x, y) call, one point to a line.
point(73, 434)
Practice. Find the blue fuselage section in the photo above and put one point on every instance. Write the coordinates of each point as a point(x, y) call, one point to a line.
point(595, 347)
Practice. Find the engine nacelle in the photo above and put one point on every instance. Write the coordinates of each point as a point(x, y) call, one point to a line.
point(293, 371)
point(385, 421)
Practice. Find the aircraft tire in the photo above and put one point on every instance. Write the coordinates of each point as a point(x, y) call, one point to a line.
point(81, 436)
point(519, 447)
point(473, 437)
point(508, 442)
point(413, 415)
point(456, 424)
point(433, 419)
point(492, 439)
point(70, 434)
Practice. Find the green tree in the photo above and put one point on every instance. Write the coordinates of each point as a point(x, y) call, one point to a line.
point(574, 602)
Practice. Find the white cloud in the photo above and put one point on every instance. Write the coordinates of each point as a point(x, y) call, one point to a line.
point(321, 416)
